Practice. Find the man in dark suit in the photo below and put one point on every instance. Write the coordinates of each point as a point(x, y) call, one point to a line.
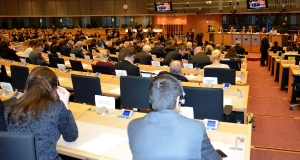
point(150, 33)
point(199, 38)
point(145, 56)
point(276, 48)
point(264, 46)
point(174, 55)
point(165, 134)
point(175, 71)
point(161, 38)
point(77, 50)
point(66, 49)
point(169, 47)
point(127, 63)
point(239, 49)
point(130, 30)
point(158, 50)
point(190, 36)
point(35, 55)
point(199, 57)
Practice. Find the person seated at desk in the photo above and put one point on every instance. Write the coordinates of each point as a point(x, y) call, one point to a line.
point(251, 30)
point(169, 46)
point(169, 135)
point(216, 58)
point(298, 48)
point(35, 55)
point(158, 49)
point(238, 48)
point(175, 71)
point(243, 29)
point(232, 30)
point(46, 116)
point(263, 30)
point(127, 63)
point(231, 53)
point(290, 51)
point(220, 30)
point(66, 48)
point(199, 57)
point(77, 49)
point(122, 53)
point(145, 56)
point(174, 55)
point(273, 31)
point(208, 50)
point(275, 47)
point(29, 48)
point(104, 56)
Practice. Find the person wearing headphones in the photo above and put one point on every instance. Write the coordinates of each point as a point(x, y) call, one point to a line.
point(164, 133)
point(176, 71)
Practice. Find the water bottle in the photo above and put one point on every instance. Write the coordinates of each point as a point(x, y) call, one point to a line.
point(242, 76)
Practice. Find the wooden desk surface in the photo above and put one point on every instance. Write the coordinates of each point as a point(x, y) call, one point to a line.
point(231, 129)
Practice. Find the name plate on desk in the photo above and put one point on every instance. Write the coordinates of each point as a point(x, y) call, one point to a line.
point(188, 65)
point(187, 112)
point(155, 63)
point(87, 57)
point(61, 67)
point(121, 73)
point(209, 81)
point(104, 101)
point(72, 56)
point(7, 86)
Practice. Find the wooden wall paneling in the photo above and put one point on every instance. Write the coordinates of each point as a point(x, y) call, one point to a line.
point(119, 7)
point(62, 8)
point(12, 8)
point(85, 7)
point(38, 7)
point(142, 7)
point(50, 8)
point(97, 7)
point(132, 6)
point(74, 8)
point(25, 8)
point(108, 7)
point(3, 8)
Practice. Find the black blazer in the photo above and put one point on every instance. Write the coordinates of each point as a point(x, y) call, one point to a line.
point(130, 68)
point(144, 58)
point(199, 58)
point(276, 48)
point(171, 56)
point(179, 77)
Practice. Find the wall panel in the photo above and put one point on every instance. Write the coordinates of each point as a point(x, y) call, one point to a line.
point(25, 7)
point(108, 7)
point(85, 7)
point(119, 7)
point(97, 7)
point(38, 7)
point(3, 8)
point(132, 7)
point(12, 8)
point(142, 7)
point(62, 7)
point(50, 8)
point(74, 8)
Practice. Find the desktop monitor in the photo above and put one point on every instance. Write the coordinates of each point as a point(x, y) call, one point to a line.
point(257, 4)
point(163, 6)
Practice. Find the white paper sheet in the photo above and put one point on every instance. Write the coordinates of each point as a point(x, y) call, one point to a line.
point(102, 143)
point(67, 62)
point(85, 65)
point(218, 145)
point(105, 101)
point(227, 101)
point(7, 86)
point(117, 91)
point(187, 112)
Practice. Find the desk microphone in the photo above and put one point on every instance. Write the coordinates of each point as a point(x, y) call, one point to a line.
point(239, 66)
point(236, 140)
point(241, 94)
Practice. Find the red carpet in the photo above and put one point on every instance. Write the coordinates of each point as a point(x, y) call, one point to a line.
point(277, 133)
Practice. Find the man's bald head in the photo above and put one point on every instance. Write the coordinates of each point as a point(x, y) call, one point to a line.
point(197, 50)
point(176, 66)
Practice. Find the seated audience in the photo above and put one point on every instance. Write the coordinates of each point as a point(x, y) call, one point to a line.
point(199, 57)
point(104, 56)
point(231, 53)
point(238, 48)
point(66, 48)
point(298, 48)
point(30, 47)
point(175, 71)
point(158, 50)
point(165, 134)
point(169, 46)
point(77, 50)
point(145, 56)
point(174, 55)
point(275, 47)
point(122, 53)
point(290, 51)
point(127, 63)
point(46, 116)
point(35, 55)
point(208, 49)
point(273, 31)
point(216, 58)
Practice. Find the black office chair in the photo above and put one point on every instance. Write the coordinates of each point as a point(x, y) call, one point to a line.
point(102, 69)
point(85, 88)
point(52, 64)
point(134, 92)
point(3, 75)
point(207, 103)
point(201, 65)
point(233, 63)
point(76, 65)
point(57, 60)
point(19, 75)
point(16, 146)
point(224, 75)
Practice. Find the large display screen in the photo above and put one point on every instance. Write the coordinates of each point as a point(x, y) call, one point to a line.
point(163, 6)
point(257, 4)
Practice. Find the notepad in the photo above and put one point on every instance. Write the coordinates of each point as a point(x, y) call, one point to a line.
point(102, 143)
point(117, 91)
point(227, 101)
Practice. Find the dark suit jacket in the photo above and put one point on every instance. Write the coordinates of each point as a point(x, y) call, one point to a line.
point(276, 48)
point(130, 68)
point(158, 51)
point(179, 77)
point(264, 45)
point(36, 57)
point(65, 49)
point(144, 58)
point(199, 58)
point(78, 52)
point(239, 50)
point(154, 137)
point(171, 56)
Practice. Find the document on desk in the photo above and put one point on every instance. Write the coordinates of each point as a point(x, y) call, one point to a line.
point(227, 101)
point(85, 65)
point(67, 62)
point(102, 143)
point(117, 91)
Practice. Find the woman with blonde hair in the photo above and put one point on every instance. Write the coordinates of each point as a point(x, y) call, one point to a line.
point(208, 50)
point(104, 60)
point(43, 111)
point(216, 57)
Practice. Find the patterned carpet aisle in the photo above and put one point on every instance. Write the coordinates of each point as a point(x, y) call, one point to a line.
point(277, 133)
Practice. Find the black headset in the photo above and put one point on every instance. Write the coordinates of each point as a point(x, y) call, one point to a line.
point(181, 100)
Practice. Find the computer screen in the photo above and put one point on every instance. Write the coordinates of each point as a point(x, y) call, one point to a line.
point(163, 6)
point(257, 4)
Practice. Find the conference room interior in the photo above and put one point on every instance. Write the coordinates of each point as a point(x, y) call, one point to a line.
point(261, 102)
